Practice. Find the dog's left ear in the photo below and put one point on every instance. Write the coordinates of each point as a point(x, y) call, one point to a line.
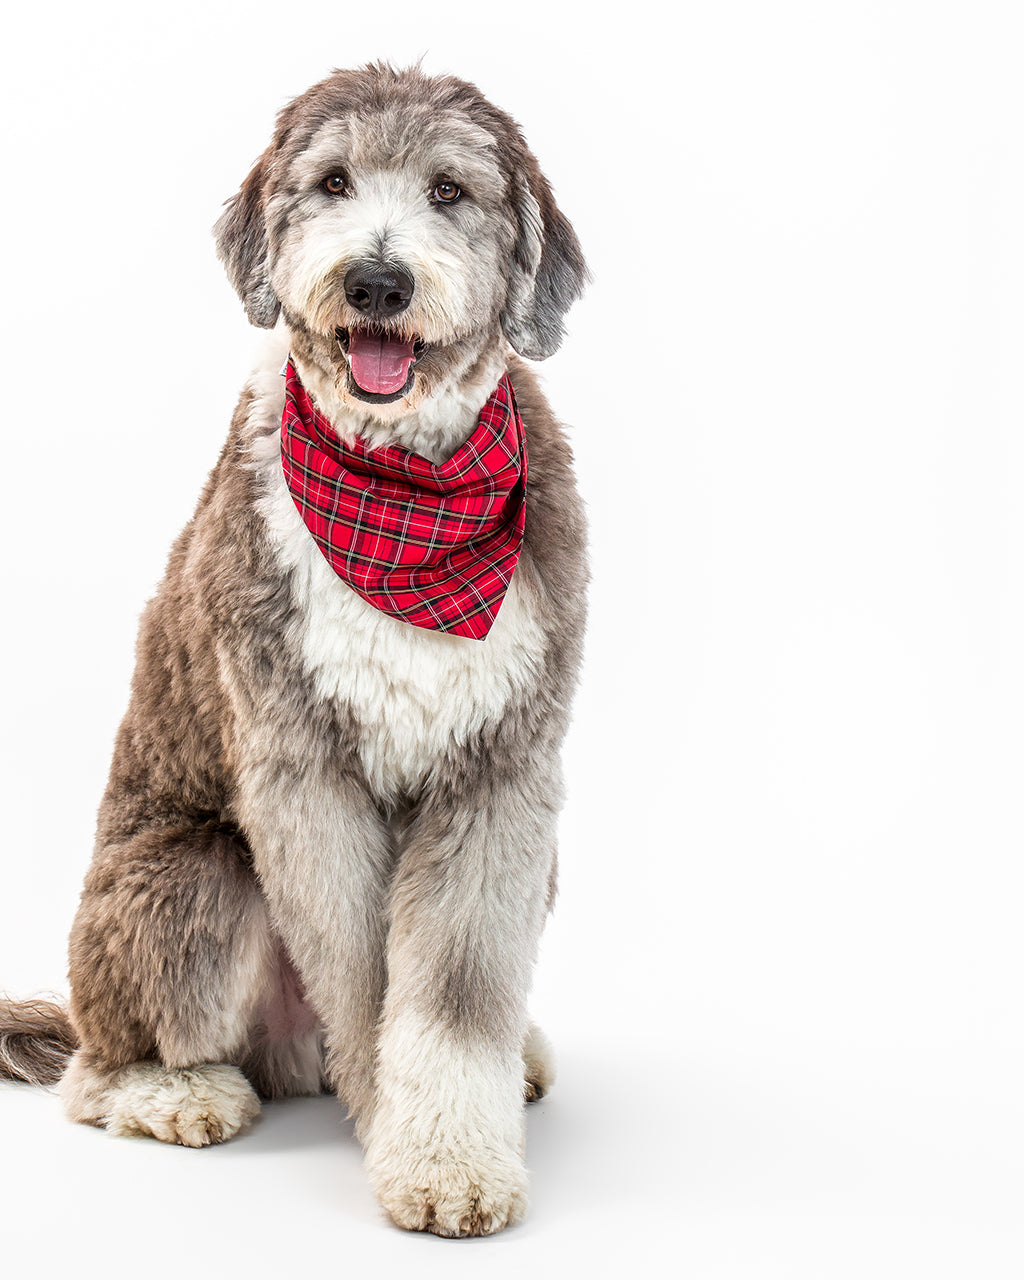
point(548, 271)
point(244, 248)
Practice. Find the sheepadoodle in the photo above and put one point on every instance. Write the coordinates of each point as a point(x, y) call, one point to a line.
point(327, 847)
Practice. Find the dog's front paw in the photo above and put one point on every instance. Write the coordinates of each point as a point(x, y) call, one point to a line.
point(454, 1190)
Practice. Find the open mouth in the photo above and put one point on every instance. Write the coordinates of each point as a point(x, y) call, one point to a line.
point(380, 363)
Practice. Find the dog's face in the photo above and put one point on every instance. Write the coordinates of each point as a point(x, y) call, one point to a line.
point(402, 227)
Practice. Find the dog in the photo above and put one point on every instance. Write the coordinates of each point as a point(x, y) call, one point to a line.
point(327, 847)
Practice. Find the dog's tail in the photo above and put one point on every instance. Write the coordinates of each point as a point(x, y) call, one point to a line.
point(36, 1040)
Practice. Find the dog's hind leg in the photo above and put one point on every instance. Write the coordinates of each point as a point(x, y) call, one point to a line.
point(192, 1106)
point(538, 1064)
point(171, 954)
point(324, 856)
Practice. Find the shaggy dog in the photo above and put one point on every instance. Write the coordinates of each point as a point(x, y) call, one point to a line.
point(327, 846)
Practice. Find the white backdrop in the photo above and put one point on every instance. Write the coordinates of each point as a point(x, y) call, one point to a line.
point(784, 974)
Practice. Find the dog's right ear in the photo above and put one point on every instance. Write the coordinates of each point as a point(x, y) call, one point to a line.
point(244, 248)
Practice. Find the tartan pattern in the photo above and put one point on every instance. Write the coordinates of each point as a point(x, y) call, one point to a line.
point(432, 545)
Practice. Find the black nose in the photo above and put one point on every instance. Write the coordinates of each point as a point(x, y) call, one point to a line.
point(378, 288)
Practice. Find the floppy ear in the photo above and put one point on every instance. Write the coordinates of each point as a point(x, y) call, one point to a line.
point(548, 271)
point(244, 248)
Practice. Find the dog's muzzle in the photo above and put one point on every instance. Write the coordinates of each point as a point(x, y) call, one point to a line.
point(380, 356)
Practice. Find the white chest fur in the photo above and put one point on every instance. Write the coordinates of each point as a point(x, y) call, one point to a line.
point(412, 692)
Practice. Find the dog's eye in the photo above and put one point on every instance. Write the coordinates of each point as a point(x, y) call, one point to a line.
point(334, 183)
point(447, 192)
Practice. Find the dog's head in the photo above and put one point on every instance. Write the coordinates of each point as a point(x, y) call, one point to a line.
point(401, 225)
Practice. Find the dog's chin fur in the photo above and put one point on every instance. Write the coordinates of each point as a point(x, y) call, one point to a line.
point(440, 411)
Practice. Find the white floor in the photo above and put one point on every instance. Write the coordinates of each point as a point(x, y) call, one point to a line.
point(690, 1167)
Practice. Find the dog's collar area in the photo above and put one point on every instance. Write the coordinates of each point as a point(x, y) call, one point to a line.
point(432, 544)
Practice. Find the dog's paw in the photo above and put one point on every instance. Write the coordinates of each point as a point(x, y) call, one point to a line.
point(194, 1106)
point(538, 1064)
point(454, 1192)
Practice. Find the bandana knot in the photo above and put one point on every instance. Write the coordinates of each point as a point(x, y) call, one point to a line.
point(434, 545)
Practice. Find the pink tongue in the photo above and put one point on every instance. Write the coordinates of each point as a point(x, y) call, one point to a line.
point(379, 364)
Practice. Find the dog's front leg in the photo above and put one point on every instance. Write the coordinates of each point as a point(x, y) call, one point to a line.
point(445, 1150)
point(324, 858)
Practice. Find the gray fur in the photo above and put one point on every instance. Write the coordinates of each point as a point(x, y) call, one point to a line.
point(257, 898)
point(548, 271)
point(242, 245)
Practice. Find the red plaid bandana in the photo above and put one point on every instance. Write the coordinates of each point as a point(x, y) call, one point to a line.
point(435, 546)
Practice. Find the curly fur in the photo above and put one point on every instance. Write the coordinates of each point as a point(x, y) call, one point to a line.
point(328, 842)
